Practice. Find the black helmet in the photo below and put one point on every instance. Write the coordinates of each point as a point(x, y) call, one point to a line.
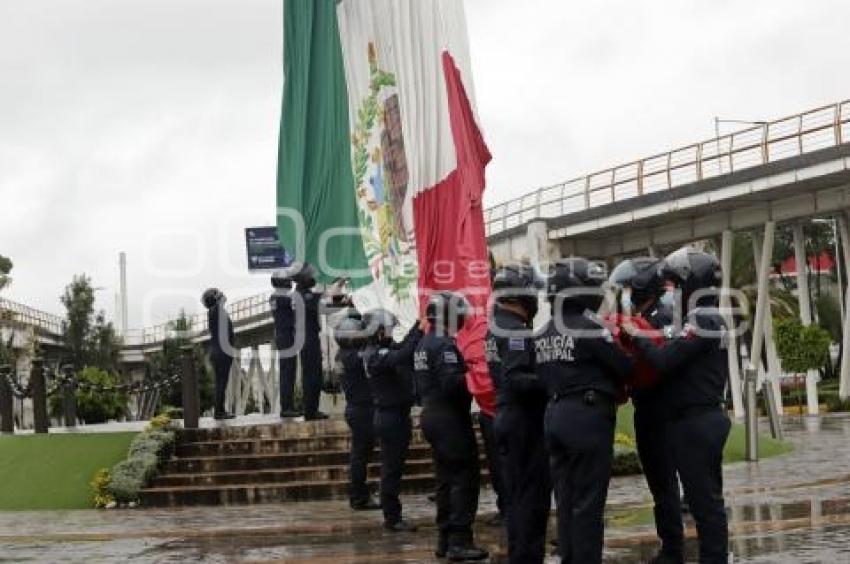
point(642, 275)
point(305, 277)
point(281, 281)
point(211, 297)
point(350, 332)
point(691, 270)
point(517, 284)
point(447, 310)
point(379, 324)
point(575, 282)
point(302, 273)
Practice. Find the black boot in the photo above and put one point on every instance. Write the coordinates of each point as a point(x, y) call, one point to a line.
point(222, 415)
point(365, 505)
point(667, 558)
point(466, 553)
point(400, 526)
point(442, 546)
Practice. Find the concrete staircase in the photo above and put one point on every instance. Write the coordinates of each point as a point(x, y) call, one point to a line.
point(291, 461)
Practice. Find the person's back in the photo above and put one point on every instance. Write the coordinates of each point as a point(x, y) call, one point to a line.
point(440, 373)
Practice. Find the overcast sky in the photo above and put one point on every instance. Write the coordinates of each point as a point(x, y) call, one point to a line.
point(150, 126)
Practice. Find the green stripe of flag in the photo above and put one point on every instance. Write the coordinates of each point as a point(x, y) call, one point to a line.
point(314, 174)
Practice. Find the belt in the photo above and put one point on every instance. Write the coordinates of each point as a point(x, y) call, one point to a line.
point(588, 397)
point(693, 411)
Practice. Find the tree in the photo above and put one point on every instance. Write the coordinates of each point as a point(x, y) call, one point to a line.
point(169, 361)
point(801, 348)
point(104, 345)
point(78, 300)
point(5, 269)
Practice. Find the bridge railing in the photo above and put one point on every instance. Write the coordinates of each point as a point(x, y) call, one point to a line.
point(19, 313)
point(240, 310)
point(795, 135)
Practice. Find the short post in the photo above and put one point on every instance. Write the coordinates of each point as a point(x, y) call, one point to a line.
point(39, 396)
point(751, 415)
point(7, 404)
point(191, 398)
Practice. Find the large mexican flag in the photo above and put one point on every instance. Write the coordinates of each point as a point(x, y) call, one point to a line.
point(381, 161)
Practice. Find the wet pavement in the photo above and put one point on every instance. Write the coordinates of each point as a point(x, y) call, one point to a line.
point(793, 508)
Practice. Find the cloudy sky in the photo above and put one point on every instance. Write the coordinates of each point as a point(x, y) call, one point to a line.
point(150, 126)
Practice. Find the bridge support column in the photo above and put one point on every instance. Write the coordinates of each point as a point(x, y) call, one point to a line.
point(726, 248)
point(762, 298)
point(255, 376)
point(805, 310)
point(774, 368)
point(844, 378)
point(537, 237)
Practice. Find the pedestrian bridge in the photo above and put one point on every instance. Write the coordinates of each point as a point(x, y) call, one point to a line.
point(783, 170)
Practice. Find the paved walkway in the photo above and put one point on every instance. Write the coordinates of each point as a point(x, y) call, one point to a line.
point(793, 508)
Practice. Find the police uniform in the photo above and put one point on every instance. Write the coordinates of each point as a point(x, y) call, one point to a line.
point(582, 369)
point(311, 354)
point(653, 446)
point(388, 366)
point(693, 365)
point(359, 415)
point(440, 373)
point(221, 344)
point(284, 330)
point(520, 407)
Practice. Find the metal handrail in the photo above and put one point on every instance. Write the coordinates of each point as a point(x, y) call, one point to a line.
point(798, 134)
point(23, 314)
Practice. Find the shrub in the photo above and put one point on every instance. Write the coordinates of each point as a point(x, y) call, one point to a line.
point(836, 404)
point(162, 421)
point(101, 495)
point(94, 405)
point(626, 461)
point(146, 451)
point(801, 348)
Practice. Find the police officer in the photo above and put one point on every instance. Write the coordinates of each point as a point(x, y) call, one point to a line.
point(389, 369)
point(641, 288)
point(284, 329)
point(583, 369)
point(221, 345)
point(693, 366)
point(446, 422)
point(311, 353)
point(520, 406)
point(359, 408)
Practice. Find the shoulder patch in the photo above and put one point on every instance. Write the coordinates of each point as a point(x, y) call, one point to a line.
point(383, 352)
point(516, 344)
point(669, 332)
point(449, 357)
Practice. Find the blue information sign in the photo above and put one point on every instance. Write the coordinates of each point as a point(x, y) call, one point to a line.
point(264, 249)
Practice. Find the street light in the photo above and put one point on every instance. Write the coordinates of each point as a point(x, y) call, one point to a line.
point(718, 121)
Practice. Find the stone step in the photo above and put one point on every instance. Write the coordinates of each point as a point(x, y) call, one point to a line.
point(271, 445)
point(279, 475)
point(286, 429)
point(271, 492)
point(245, 462)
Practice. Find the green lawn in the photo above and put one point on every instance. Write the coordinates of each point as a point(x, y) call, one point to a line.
point(54, 471)
point(735, 445)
